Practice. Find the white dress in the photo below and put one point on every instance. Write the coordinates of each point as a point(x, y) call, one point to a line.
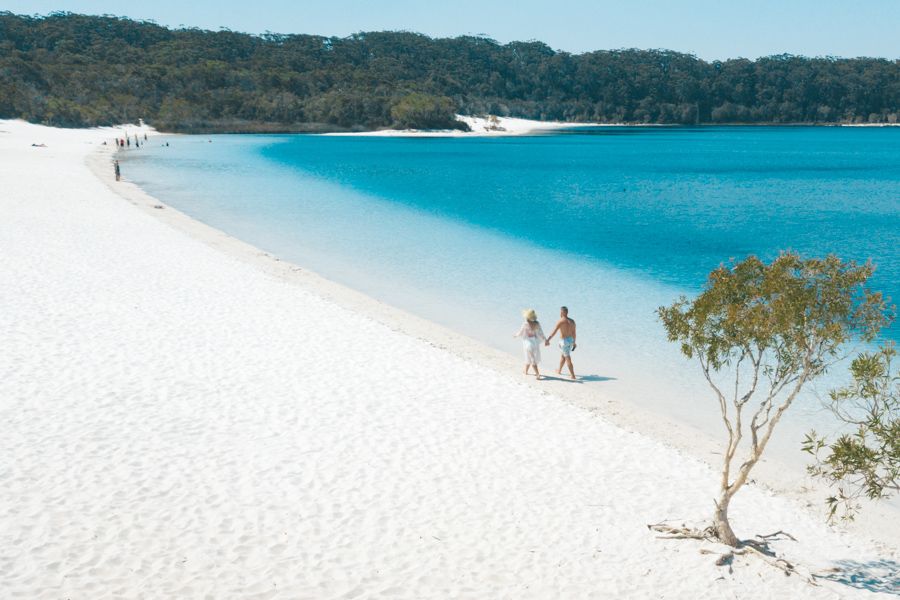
point(531, 342)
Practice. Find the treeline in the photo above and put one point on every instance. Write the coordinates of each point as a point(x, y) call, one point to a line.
point(75, 70)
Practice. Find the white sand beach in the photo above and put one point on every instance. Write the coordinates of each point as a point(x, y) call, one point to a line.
point(486, 126)
point(184, 416)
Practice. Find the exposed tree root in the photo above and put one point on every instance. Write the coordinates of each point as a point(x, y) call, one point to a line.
point(778, 535)
point(758, 546)
point(723, 560)
point(682, 533)
point(768, 556)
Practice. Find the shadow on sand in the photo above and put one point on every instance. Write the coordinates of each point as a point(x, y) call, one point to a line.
point(596, 378)
point(581, 378)
point(874, 575)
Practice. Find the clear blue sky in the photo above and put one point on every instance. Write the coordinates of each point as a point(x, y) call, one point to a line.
point(708, 28)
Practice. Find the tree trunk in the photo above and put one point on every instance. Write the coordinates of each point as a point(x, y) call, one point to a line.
point(721, 524)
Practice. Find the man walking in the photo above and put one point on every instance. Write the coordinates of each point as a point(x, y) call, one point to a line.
point(566, 328)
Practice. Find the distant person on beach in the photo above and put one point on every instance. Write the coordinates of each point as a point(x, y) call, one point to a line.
point(532, 335)
point(566, 328)
point(118, 170)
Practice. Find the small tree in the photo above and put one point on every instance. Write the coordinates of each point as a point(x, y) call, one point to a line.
point(865, 462)
point(422, 111)
point(771, 328)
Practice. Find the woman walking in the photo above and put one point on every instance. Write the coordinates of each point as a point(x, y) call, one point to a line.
point(532, 335)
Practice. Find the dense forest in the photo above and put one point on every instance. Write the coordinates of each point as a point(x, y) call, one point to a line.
point(76, 70)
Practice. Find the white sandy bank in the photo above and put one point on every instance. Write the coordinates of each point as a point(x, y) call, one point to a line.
point(181, 420)
point(489, 126)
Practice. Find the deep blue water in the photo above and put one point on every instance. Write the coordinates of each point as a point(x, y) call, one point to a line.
point(613, 223)
point(668, 203)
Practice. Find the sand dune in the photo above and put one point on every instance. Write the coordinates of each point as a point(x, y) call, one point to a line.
point(177, 422)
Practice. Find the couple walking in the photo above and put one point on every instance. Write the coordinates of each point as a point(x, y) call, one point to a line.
point(532, 335)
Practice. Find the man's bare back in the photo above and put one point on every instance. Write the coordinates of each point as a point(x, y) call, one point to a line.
point(566, 328)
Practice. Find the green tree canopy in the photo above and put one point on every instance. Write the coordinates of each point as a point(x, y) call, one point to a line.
point(866, 461)
point(76, 70)
point(418, 110)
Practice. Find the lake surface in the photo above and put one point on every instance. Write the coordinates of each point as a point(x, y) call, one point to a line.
point(612, 222)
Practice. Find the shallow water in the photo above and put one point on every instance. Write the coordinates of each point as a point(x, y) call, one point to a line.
point(613, 223)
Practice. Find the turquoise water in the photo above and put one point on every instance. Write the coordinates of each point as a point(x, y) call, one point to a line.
point(613, 223)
